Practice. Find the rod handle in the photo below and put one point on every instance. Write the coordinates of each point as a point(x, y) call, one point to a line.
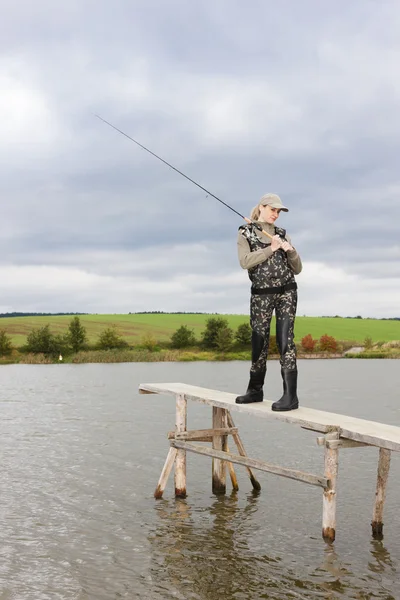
point(249, 221)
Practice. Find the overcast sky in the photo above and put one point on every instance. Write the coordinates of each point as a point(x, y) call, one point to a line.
point(297, 97)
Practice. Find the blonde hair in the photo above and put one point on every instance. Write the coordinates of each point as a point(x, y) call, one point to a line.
point(255, 213)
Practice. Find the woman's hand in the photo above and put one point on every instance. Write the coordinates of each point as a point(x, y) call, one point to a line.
point(286, 246)
point(276, 243)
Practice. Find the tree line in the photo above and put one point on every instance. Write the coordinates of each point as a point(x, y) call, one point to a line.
point(217, 335)
point(43, 341)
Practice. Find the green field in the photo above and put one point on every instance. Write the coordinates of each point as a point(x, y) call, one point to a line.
point(134, 327)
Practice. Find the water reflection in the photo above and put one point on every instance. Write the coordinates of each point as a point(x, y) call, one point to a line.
point(207, 553)
point(382, 560)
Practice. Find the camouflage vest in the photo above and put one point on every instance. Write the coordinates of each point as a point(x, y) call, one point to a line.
point(274, 271)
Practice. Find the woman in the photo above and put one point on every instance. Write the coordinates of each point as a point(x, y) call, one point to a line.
point(272, 265)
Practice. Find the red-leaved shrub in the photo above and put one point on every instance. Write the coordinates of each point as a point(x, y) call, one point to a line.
point(308, 344)
point(327, 343)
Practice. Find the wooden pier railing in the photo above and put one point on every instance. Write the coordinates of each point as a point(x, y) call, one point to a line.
point(340, 432)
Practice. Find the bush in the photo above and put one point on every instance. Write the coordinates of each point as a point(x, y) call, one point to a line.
point(368, 343)
point(308, 343)
point(43, 341)
point(149, 342)
point(243, 335)
point(210, 334)
point(183, 337)
point(224, 339)
point(327, 343)
point(110, 339)
point(273, 346)
point(6, 346)
point(77, 337)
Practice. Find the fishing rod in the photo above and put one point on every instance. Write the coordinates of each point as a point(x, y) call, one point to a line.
point(185, 176)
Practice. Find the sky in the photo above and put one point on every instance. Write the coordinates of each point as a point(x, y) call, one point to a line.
point(298, 98)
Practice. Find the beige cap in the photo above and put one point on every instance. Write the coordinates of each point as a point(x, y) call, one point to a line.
point(274, 201)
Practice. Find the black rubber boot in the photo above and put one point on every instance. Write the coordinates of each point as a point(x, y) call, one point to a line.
point(254, 391)
point(289, 400)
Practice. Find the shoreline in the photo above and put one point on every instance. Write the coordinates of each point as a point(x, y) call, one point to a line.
point(146, 356)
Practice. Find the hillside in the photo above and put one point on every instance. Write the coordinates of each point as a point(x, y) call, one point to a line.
point(133, 327)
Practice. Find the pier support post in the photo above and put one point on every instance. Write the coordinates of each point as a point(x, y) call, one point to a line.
point(220, 442)
point(162, 482)
point(235, 485)
point(380, 494)
point(329, 498)
point(180, 459)
point(239, 444)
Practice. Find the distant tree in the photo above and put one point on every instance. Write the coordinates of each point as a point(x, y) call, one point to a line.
point(308, 343)
point(110, 339)
point(224, 339)
point(213, 326)
point(183, 337)
point(6, 346)
point(327, 343)
point(243, 335)
point(43, 341)
point(76, 334)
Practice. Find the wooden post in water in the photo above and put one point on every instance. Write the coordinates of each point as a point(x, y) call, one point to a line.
point(235, 485)
point(329, 498)
point(162, 482)
point(239, 444)
point(380, 494)
point(220, 442)
point(180, 459)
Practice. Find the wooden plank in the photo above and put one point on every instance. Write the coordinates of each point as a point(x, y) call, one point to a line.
point(219, 442)
point(329, 498)
point(359, 430)
point(322, 441)
point(203, 434)
point(180, 460)
point(239, 445)
point(162, 482)
point(380, 495)
point(254, 464)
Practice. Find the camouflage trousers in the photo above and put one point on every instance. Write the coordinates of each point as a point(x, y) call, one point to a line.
point(261, 310)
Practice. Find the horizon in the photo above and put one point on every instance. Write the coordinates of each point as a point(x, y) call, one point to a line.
point(153, 312)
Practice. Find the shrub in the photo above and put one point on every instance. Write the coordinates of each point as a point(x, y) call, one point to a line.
point(149, 342)
point(110, 339)
point(224, 339)
point(368, 343)
point(43, 341)
point(327, 343)
point(6, 346)
point(308, 343)
point(273, 346)
point(77, 337)
point(213, 326)
point(183, 337)
point(243, 335)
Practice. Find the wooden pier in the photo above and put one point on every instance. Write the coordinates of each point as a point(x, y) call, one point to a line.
point(340, 432)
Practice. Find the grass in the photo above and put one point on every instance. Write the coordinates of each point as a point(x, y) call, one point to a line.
point(133, 328)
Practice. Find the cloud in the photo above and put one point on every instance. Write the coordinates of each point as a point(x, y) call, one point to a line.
point(296, 98)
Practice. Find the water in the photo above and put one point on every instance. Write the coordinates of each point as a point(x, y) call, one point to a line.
point(81, 453)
